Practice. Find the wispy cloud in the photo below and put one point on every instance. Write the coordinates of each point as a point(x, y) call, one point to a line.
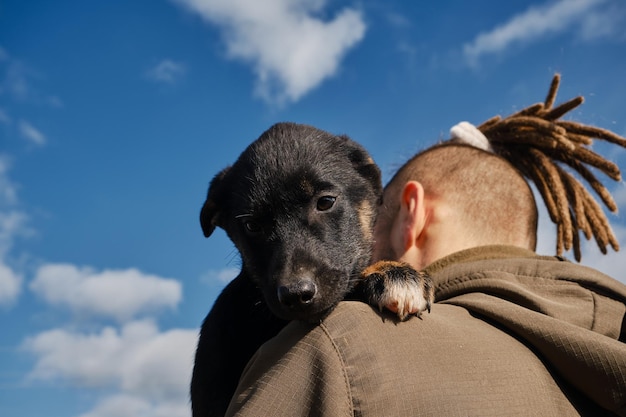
point(220, 276)
point(31, 133)
point(15, 79)
point(19, 81)
point(10, 285)
point(12, 224)
point(8, 190)
point(18, 84)
point(167, 71)
point(290, 48)
point(537, 22)
point(4, 117)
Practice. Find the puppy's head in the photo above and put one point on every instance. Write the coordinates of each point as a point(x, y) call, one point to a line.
point(299, 205)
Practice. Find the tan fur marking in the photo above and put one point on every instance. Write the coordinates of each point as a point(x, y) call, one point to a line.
point(366, 213)
point(306, 186)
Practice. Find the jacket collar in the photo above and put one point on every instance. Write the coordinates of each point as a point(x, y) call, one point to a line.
point(481, 253)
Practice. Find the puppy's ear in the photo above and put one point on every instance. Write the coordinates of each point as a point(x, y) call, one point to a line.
point(211, 210)
point(366, 167)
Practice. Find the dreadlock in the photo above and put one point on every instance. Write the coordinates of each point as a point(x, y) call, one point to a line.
point(542, 147)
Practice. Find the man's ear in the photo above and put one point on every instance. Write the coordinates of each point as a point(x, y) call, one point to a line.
point(212, 208)
point(412, 214)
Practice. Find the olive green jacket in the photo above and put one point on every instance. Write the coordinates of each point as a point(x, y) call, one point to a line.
point(511, 334)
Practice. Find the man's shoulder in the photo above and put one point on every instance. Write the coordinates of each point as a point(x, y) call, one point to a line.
point(354, 321)
point(473, 269)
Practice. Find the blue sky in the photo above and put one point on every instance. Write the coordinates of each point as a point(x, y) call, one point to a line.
point(115, 115)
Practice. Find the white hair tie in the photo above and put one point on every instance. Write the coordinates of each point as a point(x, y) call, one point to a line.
point(468, 133)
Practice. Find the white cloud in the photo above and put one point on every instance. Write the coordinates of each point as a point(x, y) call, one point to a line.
point(291, 50)
point(141, 370)
point(220, 276)
point(135, 369)
point(118, 294)
point(31, 133)
point(132, 406)
point(167, 71)
point(534, 23)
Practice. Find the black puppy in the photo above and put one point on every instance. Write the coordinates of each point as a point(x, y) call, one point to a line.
point(299, 205)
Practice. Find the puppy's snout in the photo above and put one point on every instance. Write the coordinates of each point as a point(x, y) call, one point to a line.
point(297, 295)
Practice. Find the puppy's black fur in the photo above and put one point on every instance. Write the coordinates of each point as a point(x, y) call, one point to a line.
point(299, 204)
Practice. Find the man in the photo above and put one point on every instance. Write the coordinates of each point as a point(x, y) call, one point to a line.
point(512, 333)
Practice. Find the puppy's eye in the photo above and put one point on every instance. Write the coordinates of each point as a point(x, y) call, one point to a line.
point(326, 202)
point(252, 228)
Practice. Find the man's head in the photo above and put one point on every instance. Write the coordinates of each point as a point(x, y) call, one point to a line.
point(453, 197)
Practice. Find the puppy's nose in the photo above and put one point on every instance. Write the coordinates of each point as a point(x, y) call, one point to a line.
point(298, 294)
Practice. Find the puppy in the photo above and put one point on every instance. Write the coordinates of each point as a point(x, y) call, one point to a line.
point(299, 204)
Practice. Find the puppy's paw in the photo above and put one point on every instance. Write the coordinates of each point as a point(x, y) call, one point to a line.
point(398, 287)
